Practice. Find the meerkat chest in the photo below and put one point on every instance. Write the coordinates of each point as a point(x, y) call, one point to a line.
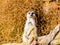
point(29, 24)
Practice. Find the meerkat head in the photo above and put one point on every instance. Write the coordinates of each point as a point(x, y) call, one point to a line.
point(31, 14)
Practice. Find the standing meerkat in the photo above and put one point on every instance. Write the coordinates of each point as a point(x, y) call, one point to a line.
point(30, 29)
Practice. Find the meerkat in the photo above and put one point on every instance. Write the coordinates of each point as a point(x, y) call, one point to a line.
point(30, 29)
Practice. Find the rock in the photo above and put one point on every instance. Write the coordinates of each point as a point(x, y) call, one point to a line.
point(53, 35)
point(56, 40)
point(57, 36)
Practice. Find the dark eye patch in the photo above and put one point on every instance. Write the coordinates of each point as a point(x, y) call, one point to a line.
point(29, 12)
point(32, 13)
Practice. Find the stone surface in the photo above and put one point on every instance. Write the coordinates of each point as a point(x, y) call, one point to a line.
point(56, 40)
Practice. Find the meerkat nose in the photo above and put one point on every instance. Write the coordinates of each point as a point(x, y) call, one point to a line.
point(31, 15)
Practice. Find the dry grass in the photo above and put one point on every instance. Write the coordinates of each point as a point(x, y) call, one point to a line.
point(13, 16)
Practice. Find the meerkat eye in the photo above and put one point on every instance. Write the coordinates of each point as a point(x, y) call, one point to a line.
point(29, 13)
